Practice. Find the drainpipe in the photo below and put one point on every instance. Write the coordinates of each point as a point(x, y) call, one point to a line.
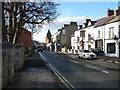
point(104, 38)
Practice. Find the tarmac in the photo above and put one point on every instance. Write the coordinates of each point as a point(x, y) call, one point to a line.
point(115, 60)
point(34, 74)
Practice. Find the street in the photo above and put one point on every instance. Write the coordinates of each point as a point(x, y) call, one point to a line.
point(82, 73)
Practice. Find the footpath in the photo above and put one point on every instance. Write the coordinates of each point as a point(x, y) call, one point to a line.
point(109, 59)
point(34, 74)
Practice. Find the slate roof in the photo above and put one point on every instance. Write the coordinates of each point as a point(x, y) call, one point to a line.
point(117, 18)
point(103, 21)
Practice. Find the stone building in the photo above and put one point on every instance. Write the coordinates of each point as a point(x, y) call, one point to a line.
point(48, 40)
point(65, 35)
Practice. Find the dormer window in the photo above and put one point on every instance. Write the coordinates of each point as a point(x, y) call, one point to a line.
point(89, 24)
point(83, 26)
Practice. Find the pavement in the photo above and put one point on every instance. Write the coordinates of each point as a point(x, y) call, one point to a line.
point(34, 74)
point(109, 59)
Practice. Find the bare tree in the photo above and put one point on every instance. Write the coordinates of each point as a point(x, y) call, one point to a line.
point(20, 14)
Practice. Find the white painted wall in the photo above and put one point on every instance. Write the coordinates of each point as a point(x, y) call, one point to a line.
point(89, 30)
point(107, 40)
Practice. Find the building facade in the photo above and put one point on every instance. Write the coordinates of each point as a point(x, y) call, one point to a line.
point(25, 38)
point(56, 41)
point(102, 34)
point(48, 40)
point(65, 35)
point(112, 37)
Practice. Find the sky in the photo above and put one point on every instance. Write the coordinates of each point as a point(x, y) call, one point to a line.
point(76, 12)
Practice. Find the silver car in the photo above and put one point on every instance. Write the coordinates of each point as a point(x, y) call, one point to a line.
point(86, 54)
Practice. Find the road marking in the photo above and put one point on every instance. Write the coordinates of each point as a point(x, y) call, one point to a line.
point(58, 56)
point(96, 69)
point(74, 61)
point(61, 78)
point(43, 57)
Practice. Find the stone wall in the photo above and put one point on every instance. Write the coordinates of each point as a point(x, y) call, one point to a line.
point(12, 59)
point(7, 63)
point(18, 57)
point(0, 65)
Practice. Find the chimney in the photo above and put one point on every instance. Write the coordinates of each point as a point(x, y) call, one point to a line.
point(73, 23)
point(79, 26)
point(110, 12)
point(117, 11)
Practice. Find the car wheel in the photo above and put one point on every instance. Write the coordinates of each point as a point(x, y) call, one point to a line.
point(78, 56)
point(84, 57)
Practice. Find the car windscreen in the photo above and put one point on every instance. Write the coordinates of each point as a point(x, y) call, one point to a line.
point(86, 51)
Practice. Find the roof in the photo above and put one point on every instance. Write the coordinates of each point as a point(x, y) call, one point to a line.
point(103, 21)
point(100, 19)
point(117, 18)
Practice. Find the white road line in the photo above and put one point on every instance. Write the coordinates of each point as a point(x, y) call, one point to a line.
point(73, 61)
point(96, 69)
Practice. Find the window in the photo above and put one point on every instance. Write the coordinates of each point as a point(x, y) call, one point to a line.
point(82, 33)
point(111, 32)
point(78, 39)
point(99, 34)
point(73, 47)
point(64, 32)
point(119, 31)
point(87, 51)
point(111, 48)
point(89, 36)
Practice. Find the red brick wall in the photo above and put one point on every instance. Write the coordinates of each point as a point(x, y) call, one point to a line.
point(25, 37)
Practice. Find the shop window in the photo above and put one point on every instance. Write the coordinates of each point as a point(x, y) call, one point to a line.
point(111, 48)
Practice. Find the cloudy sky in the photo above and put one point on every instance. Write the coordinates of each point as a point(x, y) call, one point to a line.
point(76, 12)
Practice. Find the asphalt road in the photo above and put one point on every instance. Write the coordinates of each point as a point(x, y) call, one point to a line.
point(84, 73)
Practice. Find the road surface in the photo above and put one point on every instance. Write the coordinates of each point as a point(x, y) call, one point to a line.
point(82, 73)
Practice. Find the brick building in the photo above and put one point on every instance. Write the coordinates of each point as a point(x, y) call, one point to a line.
point(25, 38)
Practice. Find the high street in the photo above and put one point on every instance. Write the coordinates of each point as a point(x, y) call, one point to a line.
point(80, 73)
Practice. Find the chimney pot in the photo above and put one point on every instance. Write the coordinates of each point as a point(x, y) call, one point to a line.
point(110, 12)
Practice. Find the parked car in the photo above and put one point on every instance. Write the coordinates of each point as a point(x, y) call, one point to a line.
point(97, 51)
point(86, 54)
point(39, 50)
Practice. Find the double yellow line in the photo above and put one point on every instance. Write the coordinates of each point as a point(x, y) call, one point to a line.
point(62, 78)
point(59, 76)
